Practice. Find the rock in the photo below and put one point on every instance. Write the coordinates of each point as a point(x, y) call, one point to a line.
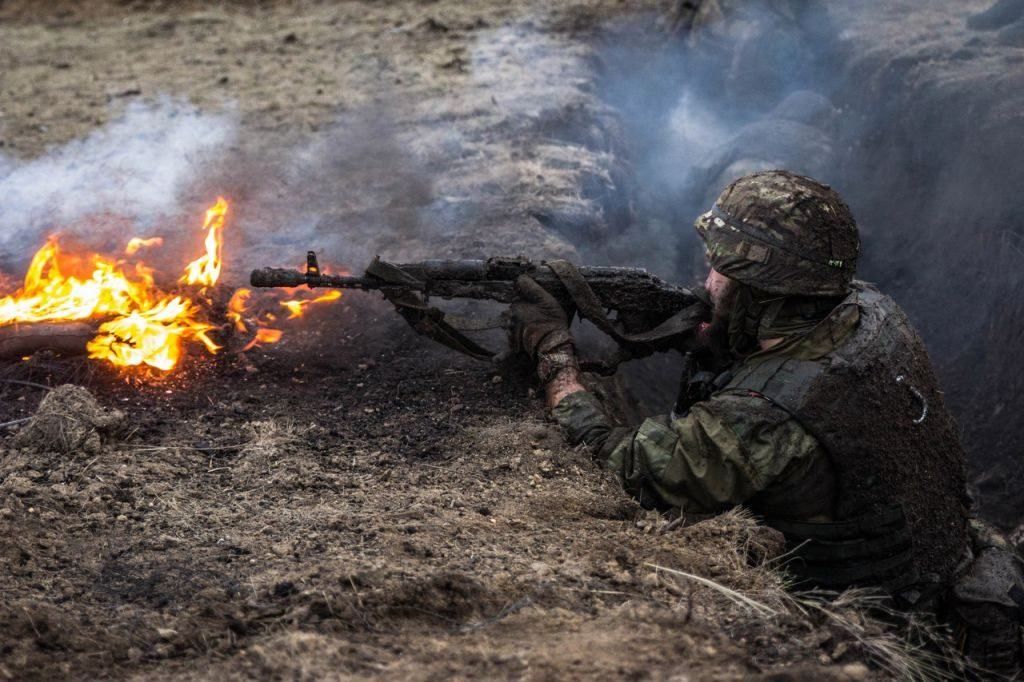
point(63, 490)
point(165, 542)
point(69, 420)
point(855, 671)
point(540, 568)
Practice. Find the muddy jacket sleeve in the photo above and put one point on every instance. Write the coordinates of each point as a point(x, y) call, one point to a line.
point(728, 450)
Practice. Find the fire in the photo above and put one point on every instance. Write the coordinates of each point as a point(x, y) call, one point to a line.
point(205, 270)
point(49, 294)
point(236, 309)
point(136, 244)
point(139, 324)
point(152, 337)
point(242, 318)
point(246, 314)
point(264, 335)
point(295, 306)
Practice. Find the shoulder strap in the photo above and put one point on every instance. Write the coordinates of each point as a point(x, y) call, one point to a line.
point(683, 323)
point(425, 319)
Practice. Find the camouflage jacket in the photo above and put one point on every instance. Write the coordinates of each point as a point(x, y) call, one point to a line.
point(728, 450)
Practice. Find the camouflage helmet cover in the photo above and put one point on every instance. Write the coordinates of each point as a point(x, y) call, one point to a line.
point(784, 234)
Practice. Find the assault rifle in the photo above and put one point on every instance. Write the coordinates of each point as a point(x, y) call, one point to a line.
point(650, 314)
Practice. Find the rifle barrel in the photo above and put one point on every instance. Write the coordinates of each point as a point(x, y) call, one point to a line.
point(280, 277)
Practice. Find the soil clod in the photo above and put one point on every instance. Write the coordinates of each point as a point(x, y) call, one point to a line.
point(70, 420)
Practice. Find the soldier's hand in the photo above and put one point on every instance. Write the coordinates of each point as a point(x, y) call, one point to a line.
point(540, 323)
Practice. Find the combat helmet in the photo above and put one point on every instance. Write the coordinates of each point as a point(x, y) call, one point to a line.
point(783, 234)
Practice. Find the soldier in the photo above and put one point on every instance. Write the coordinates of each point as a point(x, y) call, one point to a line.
point(822, 415)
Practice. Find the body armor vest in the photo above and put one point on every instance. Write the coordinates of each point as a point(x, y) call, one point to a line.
point(873, 403)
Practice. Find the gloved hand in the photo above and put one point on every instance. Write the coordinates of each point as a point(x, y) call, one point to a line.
point(542, 330)
point(541, 325)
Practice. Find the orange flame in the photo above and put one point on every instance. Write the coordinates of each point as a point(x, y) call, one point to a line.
point(205, 270)
point(152, 337)
point(142, 325)
point(136, 244)
point(47, 294)
point(245, 319)
point(236, 309)
point(138, 323)
point(295, 306)
point(264, 335)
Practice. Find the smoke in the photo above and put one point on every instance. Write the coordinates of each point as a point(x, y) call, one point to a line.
point(356, 188)
point(745, 91)
point(352, 190)
point(137, 168)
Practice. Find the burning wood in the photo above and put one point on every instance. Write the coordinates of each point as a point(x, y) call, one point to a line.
point(126, 318)
point(70, 338)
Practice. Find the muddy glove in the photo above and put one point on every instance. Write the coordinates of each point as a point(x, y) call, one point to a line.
point(541, 329)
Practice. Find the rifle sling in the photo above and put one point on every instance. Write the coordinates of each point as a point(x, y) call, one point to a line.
point(426, 320)
point(681, 324)
point(392, 274)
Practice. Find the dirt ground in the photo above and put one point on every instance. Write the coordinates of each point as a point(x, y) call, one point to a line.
point(394, 514)
point(357, 502)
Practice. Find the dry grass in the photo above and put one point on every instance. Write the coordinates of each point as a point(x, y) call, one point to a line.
point(265, 440)
point(749, 584)
point(904, 646)
point(268, 453)
point(732, 595)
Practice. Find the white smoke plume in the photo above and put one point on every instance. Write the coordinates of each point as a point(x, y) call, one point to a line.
point(135, 167)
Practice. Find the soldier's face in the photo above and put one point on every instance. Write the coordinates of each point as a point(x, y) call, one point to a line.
point(722, 291)
point(718, 287)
